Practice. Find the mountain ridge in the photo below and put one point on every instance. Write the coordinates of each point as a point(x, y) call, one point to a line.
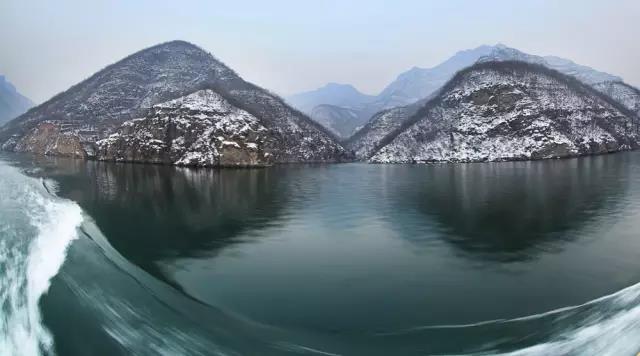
point(418, 83)
point(437, 107)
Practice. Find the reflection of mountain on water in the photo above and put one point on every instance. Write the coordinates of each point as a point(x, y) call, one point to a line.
point(508, 211)
point(155, 213)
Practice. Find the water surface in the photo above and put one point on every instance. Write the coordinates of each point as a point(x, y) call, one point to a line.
point(346, 259)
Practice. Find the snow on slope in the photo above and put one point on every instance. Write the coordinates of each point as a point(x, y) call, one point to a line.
point(200, 129)
point(422, 81)
point(511, 111)
point(367, 139)
point(624, 93)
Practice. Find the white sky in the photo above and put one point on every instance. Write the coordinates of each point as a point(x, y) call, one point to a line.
point(290, 46)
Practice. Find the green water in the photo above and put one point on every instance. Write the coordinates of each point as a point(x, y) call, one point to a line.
point(349, 259)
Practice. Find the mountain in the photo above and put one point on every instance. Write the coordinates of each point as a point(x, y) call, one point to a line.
point(386, 121)
point(12, 103)
point(366, 140)
point(341, 121)
point(201, 129)
point(585, 74)
point(419, 83)
point(340, 108)
point(611, 85)
point(73, 122)
point(343, 95)
point(624, 93)
point(512, 110)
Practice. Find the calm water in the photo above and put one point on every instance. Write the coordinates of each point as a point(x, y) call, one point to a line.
point(349, 259)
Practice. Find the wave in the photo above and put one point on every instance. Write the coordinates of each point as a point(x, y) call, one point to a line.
point(608, 325)
point(36, 229)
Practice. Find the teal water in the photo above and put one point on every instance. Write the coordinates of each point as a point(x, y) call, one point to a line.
point(346, 259)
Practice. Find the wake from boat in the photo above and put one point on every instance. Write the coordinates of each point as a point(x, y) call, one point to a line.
point(36, 229)
point(608, 325)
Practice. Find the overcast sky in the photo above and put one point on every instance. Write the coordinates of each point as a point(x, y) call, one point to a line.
point(291, 46)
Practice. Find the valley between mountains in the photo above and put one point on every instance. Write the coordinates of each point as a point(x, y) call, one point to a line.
point(176, 104)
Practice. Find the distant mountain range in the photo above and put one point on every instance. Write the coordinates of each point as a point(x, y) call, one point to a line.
point(418, 83)
point(341, 108)
point(172, 103)
point(12, 103)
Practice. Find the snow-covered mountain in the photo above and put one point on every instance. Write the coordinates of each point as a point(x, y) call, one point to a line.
point(624, 93)
point(386, 121)
point(511, 111)
point(12, 103)
point(72, 122)
point(419, 83)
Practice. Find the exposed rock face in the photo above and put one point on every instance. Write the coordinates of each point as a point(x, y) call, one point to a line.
point(511, 111)
point(46, 139)
point(95, 109)
point(201, 129)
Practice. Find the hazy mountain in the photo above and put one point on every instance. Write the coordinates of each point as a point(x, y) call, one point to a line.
point(12, 103)
point(343, 95)
point(340, 108)
point(511, 111)
point(72, 122)
point(341, 121)
point(419, 83)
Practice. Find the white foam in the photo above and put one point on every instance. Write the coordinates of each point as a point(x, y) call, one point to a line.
point(36, 230)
